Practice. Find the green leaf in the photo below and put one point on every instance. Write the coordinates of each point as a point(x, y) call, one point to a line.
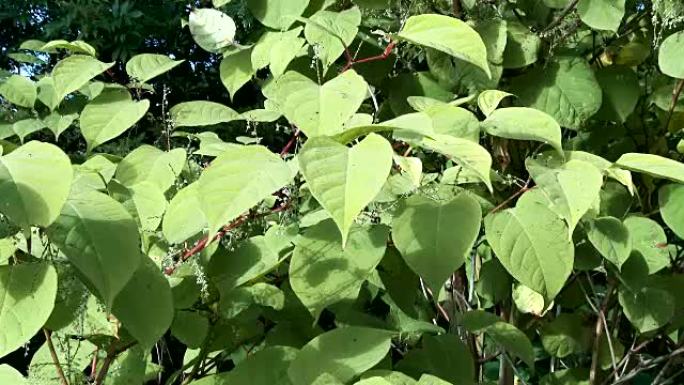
point(671, 200)
point(9, 375)
point(621, 92)
point(522, 46)
point(250, 260)
point(532, 242)
point(611, 238)
point(277, 14)
point(144, 201)
point(647, 309)
point(331, 32)
point(323, 273)
point(236, 70)
point(489, 100)
point(74, 72)
point(184, 217)
point(448, 35)
point(147, 66)
point(524, 124)
point(277, 49)
point(47, 94)
point(318, 110)
point(575, 376)
point(435, 237)
point(565, 335)
point(238, 180)
point(669, 55)
point(100, 238)
point(201, 113)
point(145, 305)
point(444, 356)
point(602, 14)
point(265, 367)
point(345, 180)
point(73, 355)
point(58, 123)
point(565, 89)
point(649, 239)
point(26, 127)
point(19, 90)
point(211, 29)
point(76, 46)
point(110, 115)
point(653, 165)
point(150, 164)
point(529, 301)
point(27, 297)
point(465, 153)
point(509, 337)
point(343, 353)
point(190, 327)
point(30, 194)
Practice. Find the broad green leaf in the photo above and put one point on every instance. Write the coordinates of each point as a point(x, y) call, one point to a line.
point(76, 46)
point(647, 309)
point(575, 376)
point(448, 35)
point(532, 242)
point(330, 32)
point(26, 127)
point(236, 70)
point(145, 305)
point(653, 165)
point(343, 353)
point(393, 377)
point(250, 260)
point(611, 238)
point(211, 29)
point(277, 14)
point(74, 72)
point(621, 92)
point(238, 180)
point(428, 379)
point(565, 335)
point(649, 239)
point(73, 355)
point(100, 238)
point(201, 113)
point(671, 200)
point(47, 93)
point(345, 180)
point(110, 115)
point(489, 100)
point(323, 273)
point(669, 55)
point(444, 356)
point(235, 301)
point(9, 375)
point(318, 110)
point(265, 367)
point(529, 301)
point(150, 164)
point(572, 188)
point(522, 46)
point(19, 90)
point(493, 284)
point(277, 49)
point(465, 153)
point(435, 237)
point(565, 89)
point(146, 66)
point(93, 89)
point(184, 217)
point(602, 14)
point(134, 366)
point(524, 124)
point(190, 328)
point(423, 84)
point(453, 121)
point(30, 194)
point(145, 201)
point(58, 123)
point(509, 337)
point(27, 297)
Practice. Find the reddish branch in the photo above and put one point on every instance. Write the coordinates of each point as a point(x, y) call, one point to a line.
point(289, 144)
point(515, 195)
point(351, 61)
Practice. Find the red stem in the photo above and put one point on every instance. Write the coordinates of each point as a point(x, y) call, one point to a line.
point(290, 143)
point(351, 61)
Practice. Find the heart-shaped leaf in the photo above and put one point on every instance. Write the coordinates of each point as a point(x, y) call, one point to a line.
point(147, 66)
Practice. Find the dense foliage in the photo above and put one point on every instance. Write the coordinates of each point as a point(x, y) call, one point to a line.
point(372, 192)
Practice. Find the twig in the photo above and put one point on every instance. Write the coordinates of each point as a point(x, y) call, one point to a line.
point(290, 143)
point(112, 352)
point(200, 358)
point(55, 359)
point(456, 8)
point(571, 7)
point(515, 195)
point(599, 333)
point(675, 97)
point(351, 61)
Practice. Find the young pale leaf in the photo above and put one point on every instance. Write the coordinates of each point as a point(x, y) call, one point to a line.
point(32, 195)
point(110, 115)
point(343, 353)
point(9, 375)
point(339, 272)
point(671, 199)
point(150, 164)
point(669, 55)
point(57, 123)
point(146, 66)
point(611, 238)
point(524, 124)
point(27, 297)
point(101, 240)
point(650, 241)
point(145, 305)
point(602, 14)
point(74, 72)
point(435, 237)
point(653, 165)
point(211, 29)
point(448, 35)
point(184, 217)
point(47, 93)
point(528, 301)
point(76, 46)
point(265, 367)
point(465, 153)
point(444, 356)
point(277, 14)
point(533, 244)
point(19, 90)
point(238, 180)
point(345, 180)
point(236, 70)
point(26, 127)
point(489, 100)
point(566, 89)
point(331, 32)
point(277, 49)
point(201, 113)
point(647, 309)
point(318, 110)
